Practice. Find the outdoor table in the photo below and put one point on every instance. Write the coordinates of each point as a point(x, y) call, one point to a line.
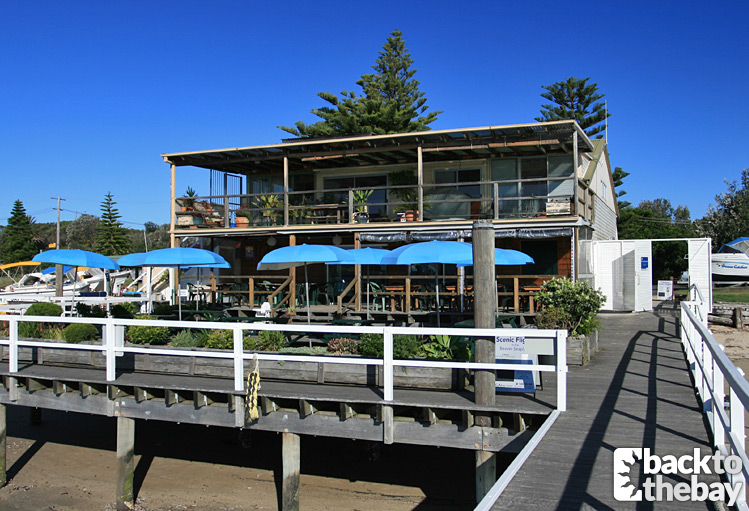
point(353, 321)
point(247, 319)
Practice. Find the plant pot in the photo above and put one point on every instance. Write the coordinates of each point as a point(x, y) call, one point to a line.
point(411, 215)
point(361, 217)
point(242, 221)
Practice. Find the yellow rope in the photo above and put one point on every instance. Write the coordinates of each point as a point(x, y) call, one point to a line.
point(253, 385)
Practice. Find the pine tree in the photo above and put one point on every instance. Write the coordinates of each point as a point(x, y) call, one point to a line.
point(391, 101)
point(111, 237)
point(575, 99)
point(17, 242)
point(618, 176)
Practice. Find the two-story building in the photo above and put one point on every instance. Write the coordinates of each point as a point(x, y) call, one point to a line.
point(545, 187)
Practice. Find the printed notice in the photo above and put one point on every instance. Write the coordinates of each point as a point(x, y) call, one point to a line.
point(513, 350)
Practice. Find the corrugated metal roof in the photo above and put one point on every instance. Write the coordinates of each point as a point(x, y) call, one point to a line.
point(388, 149)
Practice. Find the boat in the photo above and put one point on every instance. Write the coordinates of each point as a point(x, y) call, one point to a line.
point(731, 262)
point(37, 284)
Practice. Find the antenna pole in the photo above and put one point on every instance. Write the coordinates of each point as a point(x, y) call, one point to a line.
point(58, 267)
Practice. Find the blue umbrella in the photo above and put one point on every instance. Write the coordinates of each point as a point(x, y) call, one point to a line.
point(177, 257)
point(504, 257)
point(76, 258)
point(301, 255)
point(65, 269)
point(366, 256)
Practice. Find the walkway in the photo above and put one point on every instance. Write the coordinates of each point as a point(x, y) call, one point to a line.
point(636, 392)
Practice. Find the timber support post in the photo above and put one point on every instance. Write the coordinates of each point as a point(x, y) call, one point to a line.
point(35, 416)
point(290, 456)
point(485, 292)
point(3, 446)
point(125, 463)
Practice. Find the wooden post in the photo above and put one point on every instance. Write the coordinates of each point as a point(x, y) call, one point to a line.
point(290, 455)
point(3, 445)
point(292, 274)
point(738, 318)
point(420, 180)
point(125, 463)
point(485, 305)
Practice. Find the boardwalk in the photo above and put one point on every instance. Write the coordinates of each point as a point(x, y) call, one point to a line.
point(636, 393)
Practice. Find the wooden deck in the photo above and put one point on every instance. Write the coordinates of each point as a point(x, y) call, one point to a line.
point(636, 392)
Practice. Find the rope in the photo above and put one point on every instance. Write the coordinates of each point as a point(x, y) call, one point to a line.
point(253, 385)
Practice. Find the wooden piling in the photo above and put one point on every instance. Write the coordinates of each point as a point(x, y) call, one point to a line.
point(738, 318)
point(3, 446)
point(485, 293)
point(290, 455)
point(125, 463)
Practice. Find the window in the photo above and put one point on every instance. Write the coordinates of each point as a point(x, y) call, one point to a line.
point(340, 186)
point(561, 166)
point(544, 253)
point(457, 176)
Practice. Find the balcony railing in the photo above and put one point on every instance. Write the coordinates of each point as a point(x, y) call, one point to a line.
point(497, 200)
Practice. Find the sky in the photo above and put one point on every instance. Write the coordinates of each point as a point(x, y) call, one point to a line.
point(95, 92)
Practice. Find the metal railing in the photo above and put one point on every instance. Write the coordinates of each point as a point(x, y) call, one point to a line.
point(713, 371)
point(113, 345)
point(428, 202)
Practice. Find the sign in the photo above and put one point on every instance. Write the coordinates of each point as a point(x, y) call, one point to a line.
point(52, 245)
point(558, 208)
point(644, 263)
point(665, 290)
point(514, 349)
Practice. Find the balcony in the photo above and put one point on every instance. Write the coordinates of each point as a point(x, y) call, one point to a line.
point(454, 202)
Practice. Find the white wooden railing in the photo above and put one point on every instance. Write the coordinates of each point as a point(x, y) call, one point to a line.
point(113, 345)
point(713, 371)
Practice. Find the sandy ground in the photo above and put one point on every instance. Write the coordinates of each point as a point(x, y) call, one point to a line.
point(68, 463)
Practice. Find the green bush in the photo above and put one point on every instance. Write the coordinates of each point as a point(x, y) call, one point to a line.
point(569, 305)
point(269, 340)
point(184, 339)
point(404, 346)
point(219, 340)
point(53, 332)
point(90, 311)
point(44, 309)
point(30, 329)
point(445, 347)
point(124, 310)
point(164, 309)
point(148, 334)
point(304, 350)
point(343, 346)
point(78, 332)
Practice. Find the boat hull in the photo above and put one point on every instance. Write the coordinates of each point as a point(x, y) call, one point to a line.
point(730, 267)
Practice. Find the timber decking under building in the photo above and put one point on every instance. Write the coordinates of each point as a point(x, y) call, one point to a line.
point(637, 392)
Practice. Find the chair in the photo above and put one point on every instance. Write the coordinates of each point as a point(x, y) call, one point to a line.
point(265, 310)
point(377, 294)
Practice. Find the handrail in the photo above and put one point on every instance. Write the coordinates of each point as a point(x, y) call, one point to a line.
point(277, 291)
point(339, 298)
point(113, 330)
point(712, 370)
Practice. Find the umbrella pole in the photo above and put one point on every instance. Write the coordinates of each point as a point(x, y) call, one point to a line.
point(369, 316)
point(306, 293)
point(179, 296)
point(437, 288)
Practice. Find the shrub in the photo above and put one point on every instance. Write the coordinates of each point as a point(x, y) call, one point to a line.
point(343, 346)
point(269, 340)
point(29, 329)
point(404, 346)
point(78, 332)
point(148, 334)
point(164, 309)
point(44, 309)
point(184, 339)
point(53, 332)
point(569, 305)
point(219, 340)
point(305, 350)
point(446, 347)
point(90, 311)
point(124, 310)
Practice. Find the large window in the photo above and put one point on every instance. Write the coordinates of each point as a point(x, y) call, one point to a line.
point(544, 254)
point(534, 184)
point(339, 187)
point(456, 177)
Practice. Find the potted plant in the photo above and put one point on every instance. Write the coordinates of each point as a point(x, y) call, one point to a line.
point(361, 214)
point(269, 205)
point(189, 200)
point(242, 218)
point(408, 195)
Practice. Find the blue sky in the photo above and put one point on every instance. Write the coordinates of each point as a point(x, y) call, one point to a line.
point(94, 92)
